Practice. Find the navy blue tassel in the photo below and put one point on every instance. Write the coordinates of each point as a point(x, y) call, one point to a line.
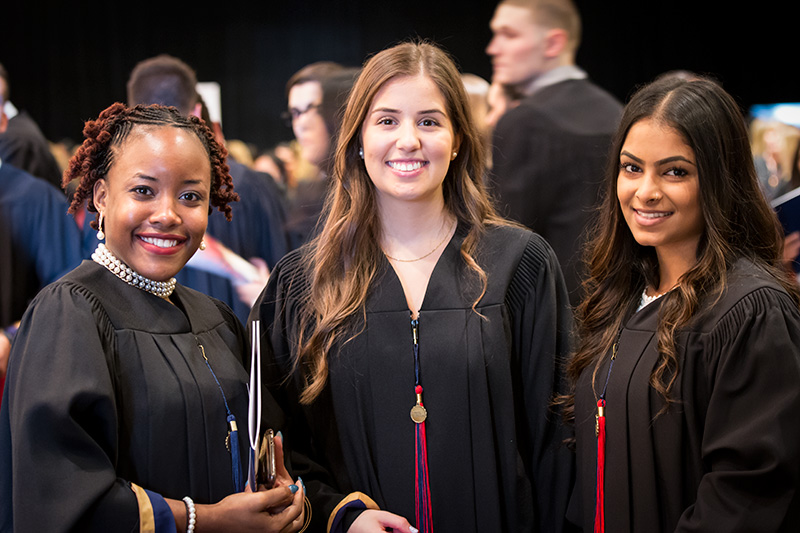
point(238, 484)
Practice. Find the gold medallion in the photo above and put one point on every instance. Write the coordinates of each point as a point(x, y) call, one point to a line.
point(418, 414)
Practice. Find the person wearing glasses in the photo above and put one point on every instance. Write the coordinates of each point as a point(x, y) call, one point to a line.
point(316, 94)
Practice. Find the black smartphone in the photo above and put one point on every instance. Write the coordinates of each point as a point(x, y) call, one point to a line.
point(266, 471)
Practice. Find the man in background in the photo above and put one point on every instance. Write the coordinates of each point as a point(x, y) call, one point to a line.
point(549, 151)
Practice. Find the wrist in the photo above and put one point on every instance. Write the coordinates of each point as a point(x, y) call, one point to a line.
point(206, 518)
point(191, 514)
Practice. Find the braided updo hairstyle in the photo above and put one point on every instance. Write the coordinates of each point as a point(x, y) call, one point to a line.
point(109, 131)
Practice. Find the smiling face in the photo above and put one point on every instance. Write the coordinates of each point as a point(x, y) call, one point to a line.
point(658, 189)
point(155, 200)
point(408, 140)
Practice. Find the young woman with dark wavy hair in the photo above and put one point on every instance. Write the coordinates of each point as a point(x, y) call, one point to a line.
point(414, 343)
point(686, 380)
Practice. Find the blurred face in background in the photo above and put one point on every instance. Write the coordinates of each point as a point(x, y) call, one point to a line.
point(518, 45)
point(308, 125)
point(3, 118)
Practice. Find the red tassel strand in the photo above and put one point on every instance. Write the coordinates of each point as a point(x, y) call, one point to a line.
point(422, 492)
point(599, 515)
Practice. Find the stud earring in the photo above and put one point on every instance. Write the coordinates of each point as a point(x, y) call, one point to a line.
point(100, 234)
point(361, 152)
point(202, 244)
point(454, 155)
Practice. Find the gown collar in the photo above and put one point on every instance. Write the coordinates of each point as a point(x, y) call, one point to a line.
point(387, 294)
point(139, 310)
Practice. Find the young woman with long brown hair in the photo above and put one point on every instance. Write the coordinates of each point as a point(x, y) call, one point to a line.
point(415, 342)
point(687, 374)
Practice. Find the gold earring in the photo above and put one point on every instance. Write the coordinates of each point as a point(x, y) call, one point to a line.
point(202, 244)
point(100, 234)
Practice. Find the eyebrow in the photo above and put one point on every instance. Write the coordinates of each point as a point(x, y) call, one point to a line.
point(660, 161)
point(424, 112)
point(147, 177)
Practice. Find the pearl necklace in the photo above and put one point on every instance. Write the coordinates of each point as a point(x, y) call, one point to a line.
point(103, 256)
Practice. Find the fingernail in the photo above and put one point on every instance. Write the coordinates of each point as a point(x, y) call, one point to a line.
point(412, 529)
point(294, 488)
point(300, 480)
point(280, 436)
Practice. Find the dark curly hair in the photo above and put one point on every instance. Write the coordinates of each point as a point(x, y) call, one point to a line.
point(109, 131)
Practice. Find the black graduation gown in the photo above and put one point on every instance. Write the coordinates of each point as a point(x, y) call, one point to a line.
point(24, 145)
point(107, 386)
point(726, 456)
point(495, 456)
point(548, 157)
point(41, 242)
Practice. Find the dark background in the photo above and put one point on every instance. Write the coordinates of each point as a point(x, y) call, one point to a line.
point(69, 60)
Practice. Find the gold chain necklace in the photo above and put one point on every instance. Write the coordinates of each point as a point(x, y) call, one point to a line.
point(446, 235)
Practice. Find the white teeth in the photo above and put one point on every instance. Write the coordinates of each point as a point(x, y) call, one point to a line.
point(406, 167)
point(653, 215)
point(161, 243)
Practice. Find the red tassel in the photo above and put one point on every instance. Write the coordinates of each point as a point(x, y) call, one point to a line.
point(422, 491)
point(599, 514)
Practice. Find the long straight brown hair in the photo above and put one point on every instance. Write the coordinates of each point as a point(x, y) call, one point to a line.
point(738, 222)
point(341, 262)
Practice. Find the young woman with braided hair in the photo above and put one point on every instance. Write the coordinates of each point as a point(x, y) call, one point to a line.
point(686, 380)
point(126, 393)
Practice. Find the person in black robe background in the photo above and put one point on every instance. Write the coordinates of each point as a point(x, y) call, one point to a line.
point(39, 241)
point(124, 388)
point(408, 219)
point(687, 376)
point(316, 95)
point(23, 144)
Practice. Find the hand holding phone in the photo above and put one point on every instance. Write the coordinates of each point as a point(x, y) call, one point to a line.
point(266, 470)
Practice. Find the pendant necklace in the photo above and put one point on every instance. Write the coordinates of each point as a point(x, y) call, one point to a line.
point(419, 414)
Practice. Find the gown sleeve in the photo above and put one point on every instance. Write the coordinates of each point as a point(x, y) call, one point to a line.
point(59, 421)
point(542, 329)
point(751, 434)
point(277, 310)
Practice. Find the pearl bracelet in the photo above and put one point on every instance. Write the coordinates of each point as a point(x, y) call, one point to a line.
point(191, 515)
